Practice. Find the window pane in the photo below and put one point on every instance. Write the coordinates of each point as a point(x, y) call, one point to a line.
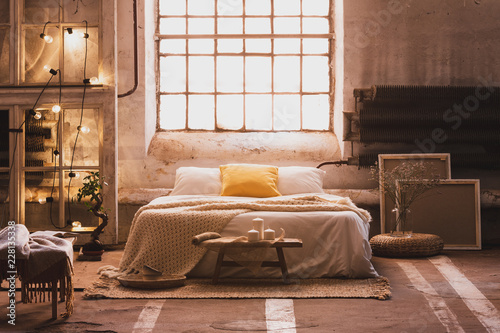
point(315, 76)
point(201, 7)
point(230, 25)
point(230, 74)
point(173, 112)
point(202, 46)
point(287, 25)
point(258, 45)
point(38, 53)
point(258, 7)
point(229, 7)
point(201, 74)
point(201, 112)
point(258, 26)
point(230, 45)
point(87, 147)
point(287, 74)
point(315, 25)
point(315, 45)
point(287, 45)
point(172, 7)
point(258, 74)
point(74, 55)
point(258, 115)
point(315, 112)
point(173, 74)
point(287, 7)
point(173, 46)
point(5, 56)
point(40, 138)
point(4, 11)
point(77, 11)
point(172, 26)
point(315, 7)
point(287, 112)
point(230, 111)
point(41, 11)
point(200, 26)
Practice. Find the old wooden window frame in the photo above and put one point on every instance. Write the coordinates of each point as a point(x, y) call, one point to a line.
point(243, 36)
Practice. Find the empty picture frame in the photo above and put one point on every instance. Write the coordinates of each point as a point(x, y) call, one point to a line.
point(452, 211)
point(439, 163)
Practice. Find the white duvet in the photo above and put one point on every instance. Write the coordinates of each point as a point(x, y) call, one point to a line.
point(335, 244)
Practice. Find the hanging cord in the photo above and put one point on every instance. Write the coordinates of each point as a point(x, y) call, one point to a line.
point(85, 82)
point(56, 153)
point(16, 134)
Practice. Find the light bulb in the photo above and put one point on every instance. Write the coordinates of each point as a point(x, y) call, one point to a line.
point(56, 108)
point(94, 80)
point(37, 115)
point(47, 68)
point(76, 224)
point(84, 35)
point(84, 129)
point(48, 39)
point(42, 201)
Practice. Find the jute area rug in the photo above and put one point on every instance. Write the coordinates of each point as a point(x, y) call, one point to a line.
point(249, 288)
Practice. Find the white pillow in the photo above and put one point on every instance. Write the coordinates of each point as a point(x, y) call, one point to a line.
point(194, 181)
point(295, 180)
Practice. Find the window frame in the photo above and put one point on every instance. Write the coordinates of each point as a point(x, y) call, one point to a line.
point(330, 36)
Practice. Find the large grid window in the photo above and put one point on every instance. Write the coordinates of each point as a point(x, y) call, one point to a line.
point(251, 65)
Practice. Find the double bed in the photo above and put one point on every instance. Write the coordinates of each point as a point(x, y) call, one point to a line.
point(335, 233)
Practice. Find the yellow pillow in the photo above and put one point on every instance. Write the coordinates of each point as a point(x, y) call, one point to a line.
point(249, 180)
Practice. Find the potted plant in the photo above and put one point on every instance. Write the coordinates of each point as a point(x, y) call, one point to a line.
point(403, 185)
point(92, 186)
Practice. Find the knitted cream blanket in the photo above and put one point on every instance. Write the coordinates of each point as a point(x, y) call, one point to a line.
point(161, 232)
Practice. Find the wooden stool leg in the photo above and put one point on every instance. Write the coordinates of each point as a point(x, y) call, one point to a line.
point(218, 266)
point(54, 299)
point(284, 270)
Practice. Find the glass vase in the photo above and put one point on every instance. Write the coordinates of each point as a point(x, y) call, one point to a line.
point(401, 222)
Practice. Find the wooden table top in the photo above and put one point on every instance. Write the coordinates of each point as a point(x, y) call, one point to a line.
point(233, 242)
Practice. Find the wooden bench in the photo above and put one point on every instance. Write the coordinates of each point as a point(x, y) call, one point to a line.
point(279, 246)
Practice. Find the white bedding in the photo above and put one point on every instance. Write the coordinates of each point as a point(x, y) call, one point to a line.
point(335, 244)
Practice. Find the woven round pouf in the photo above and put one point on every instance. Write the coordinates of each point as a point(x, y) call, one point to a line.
point(418, 245)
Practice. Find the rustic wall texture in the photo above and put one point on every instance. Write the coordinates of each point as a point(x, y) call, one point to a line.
point(420, 42)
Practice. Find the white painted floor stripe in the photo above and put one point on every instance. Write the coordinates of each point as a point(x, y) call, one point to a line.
point(147, 319)
point(280, 316)
point(436, 302)
point(480, 306)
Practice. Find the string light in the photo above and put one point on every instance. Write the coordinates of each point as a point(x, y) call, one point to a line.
point(47, 38)
point(56, 108)
point(94, 80)
point(37, 115)
point(83, 129)
point(50, 70)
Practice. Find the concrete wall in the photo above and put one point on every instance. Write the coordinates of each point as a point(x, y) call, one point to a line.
point(421, 42)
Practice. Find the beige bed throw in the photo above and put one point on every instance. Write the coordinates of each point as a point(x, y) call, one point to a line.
point(161, 232)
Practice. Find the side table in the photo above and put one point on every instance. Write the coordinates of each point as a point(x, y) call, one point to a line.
point(221, 244)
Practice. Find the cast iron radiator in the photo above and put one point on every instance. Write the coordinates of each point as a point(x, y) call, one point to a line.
point(463, 120)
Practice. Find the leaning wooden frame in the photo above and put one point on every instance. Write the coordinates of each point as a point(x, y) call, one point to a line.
point(452, 211)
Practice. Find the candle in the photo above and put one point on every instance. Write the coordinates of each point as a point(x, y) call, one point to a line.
point(258, 224)
point(269, 234)
point(253, 235)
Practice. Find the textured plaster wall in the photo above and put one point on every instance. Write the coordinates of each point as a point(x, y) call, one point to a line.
point(149, 160)
point(422, 42)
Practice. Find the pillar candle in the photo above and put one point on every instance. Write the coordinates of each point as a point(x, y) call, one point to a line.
point(269, 234)
point(253, 235)
point(258, 224)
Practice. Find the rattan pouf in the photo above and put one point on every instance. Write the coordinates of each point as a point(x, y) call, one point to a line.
point(418, 245)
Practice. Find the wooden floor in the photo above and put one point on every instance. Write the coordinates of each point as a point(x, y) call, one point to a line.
point(458, 291)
